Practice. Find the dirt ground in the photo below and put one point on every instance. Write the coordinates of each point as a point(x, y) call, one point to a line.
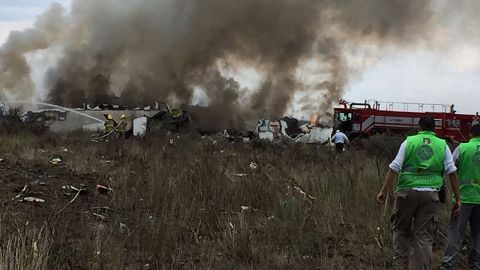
point(194, 203)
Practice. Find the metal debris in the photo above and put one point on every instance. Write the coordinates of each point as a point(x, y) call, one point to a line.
point(32, 199)
point(104, 189)
point(56, 161)
point(253, 165)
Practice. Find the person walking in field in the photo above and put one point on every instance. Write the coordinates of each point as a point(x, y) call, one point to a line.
point(467, 157)
point(340, 139)
point(418, 171)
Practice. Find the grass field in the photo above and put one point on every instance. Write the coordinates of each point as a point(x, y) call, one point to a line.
point(187, 202)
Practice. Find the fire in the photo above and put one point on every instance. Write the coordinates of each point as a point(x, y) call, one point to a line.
point(313, 120)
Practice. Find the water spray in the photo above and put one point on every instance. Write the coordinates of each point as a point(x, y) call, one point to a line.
point(54, 106)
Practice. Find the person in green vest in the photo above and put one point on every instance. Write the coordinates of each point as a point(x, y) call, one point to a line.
point(467, 157)
point(418, 171)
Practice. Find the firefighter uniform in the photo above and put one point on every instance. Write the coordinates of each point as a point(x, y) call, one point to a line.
point(468, 159)
point(421, 163)
point(109, 125)
point(122, 127)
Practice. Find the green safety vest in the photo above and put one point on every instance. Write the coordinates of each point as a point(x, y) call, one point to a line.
point(469, 171)
point(109, 125)
point(423, 164)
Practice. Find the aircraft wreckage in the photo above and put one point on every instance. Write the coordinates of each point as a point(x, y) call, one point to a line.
point(152, 119)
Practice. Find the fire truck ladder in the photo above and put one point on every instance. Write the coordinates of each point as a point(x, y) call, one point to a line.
point(411, 106)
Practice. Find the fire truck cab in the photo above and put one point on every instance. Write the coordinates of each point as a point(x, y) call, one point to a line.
point(372, 117)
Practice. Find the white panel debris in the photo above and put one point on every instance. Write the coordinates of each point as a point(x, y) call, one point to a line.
point(140, 126)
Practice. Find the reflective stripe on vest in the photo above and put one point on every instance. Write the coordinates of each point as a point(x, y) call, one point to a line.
point(109, 125)
point(423, 165)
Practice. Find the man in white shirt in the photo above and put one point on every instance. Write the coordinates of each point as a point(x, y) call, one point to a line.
point(340, 139)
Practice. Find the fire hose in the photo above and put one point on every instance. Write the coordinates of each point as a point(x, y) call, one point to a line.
point(115, 129)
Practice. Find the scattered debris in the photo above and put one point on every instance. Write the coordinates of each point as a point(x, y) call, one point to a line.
point(70, 188)
point(315, 135)
point(301, 191)
point(22, 191)
point(65, 150)
point(43, 116)
point(240, 174)
point(32, 199)
point(140, 126)
point(253, 165)
point(104, 189)
point(293, 129)
point(56, 161)
point(245, 208)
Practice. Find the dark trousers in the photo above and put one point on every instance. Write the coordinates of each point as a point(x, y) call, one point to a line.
point(339, 147)
point(413, 221)
point(469, 213)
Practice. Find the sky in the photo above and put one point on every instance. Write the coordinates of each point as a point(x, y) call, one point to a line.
point(447, 75)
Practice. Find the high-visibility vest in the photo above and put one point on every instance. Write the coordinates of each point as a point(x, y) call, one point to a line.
point(423, 165)
point(109, 125)
point(122, 126)
point(469, 171)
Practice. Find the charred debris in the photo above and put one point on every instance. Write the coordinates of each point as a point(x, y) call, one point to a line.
point(160, 118)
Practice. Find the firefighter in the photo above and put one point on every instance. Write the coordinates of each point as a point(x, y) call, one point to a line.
point(122, 127)
point(467, 157)
point(418, 169)
point(340, 139)
point(109, 125)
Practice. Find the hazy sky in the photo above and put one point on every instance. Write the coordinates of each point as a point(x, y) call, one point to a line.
point(442, 75)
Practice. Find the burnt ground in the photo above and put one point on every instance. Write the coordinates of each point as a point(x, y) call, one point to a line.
point(197, 204)
point(63, 210)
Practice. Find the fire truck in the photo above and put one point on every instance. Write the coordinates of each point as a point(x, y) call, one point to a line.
point(373, 117)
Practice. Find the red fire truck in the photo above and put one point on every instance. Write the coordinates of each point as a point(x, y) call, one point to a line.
point(372, 117)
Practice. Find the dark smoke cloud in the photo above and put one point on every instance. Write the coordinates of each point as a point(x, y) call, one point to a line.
point(164, 49)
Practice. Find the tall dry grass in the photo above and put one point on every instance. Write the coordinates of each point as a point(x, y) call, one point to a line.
point(197, 203)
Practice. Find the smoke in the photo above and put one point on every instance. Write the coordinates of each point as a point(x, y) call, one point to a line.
point(15, 80)
point(165, 50)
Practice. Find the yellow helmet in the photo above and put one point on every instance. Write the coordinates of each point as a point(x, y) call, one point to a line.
point(123, 116)
point(110, 117)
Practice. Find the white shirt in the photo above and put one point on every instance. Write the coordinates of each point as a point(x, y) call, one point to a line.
point(456, 154)
point(397, 163)
point(340, 137)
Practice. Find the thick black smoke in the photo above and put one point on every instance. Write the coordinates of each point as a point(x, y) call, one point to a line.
point(163, 50)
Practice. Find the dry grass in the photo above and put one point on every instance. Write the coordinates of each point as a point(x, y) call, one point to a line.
point(198, 204)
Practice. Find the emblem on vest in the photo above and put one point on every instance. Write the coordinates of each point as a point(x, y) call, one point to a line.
point(476, 158)
point(424, 152)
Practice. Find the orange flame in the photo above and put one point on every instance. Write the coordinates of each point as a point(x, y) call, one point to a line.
point(313, 120)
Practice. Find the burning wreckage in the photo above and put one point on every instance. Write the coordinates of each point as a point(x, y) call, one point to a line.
point(160, 118)
point(293, 129)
